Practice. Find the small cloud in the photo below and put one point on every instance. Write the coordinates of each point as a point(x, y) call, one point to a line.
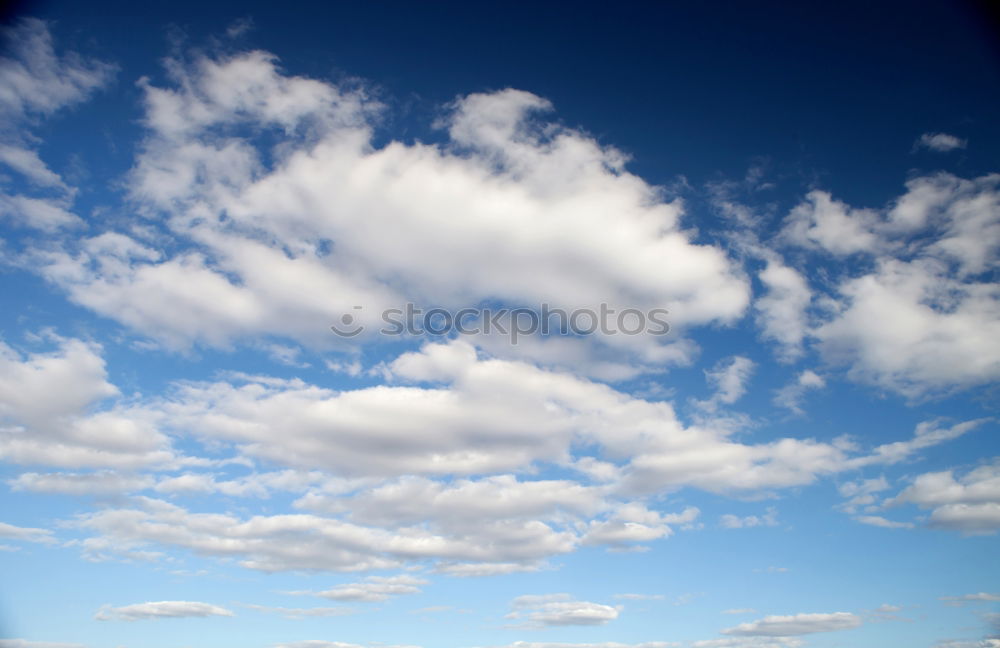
point(540, 611)
point(940, 142)
point(770, 518)
point(795, 625)
point(160, 610)
point(879, 521)
point(373, 589)
point(639, 597)
point(956, 601)
point(791, 395)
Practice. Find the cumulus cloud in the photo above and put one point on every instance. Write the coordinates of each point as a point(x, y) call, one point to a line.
point(537, 611)
point(522, 205)
point(940, 142)
point(47, 403)
point(781, 312)
point(796, 624)
point(160, 610)
point(833, 226)
point(969, 503)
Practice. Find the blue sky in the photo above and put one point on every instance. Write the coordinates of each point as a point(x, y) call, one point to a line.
point(190, 198)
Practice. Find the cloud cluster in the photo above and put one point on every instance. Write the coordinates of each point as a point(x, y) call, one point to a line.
point(532, 211)
point(423, 468)
point(923, 316)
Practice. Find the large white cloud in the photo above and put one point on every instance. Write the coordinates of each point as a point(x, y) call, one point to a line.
point(918, 309)
point(530, 211)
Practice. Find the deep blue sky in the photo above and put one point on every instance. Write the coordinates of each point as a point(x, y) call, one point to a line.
point(829, 90)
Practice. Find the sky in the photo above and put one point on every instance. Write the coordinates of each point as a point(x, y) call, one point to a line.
point(499, 325)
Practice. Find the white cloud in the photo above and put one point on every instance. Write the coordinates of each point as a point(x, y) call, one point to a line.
point(95, 483)
point(35, 81)
point(45, 214)
point(750, 642)
point(940, 142)
point(791, 395)
point(46, 412)
point(879, 521)
point(781, 311)
point(968, 598)
point(795, 625)
point(634, 523)
point(479, 570)
point(926, 435)
point(537, 611)
point(934, 333)
point(375, 588)
point(937, 326)
point(970, 504)
point(729, 379)
point(160, 610)
point(861, 494)
point(27, 163)
point(526, 215)
point(27, 534)
point(835, 227)
point(770, 518)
